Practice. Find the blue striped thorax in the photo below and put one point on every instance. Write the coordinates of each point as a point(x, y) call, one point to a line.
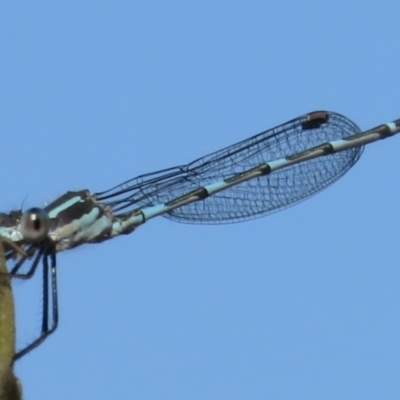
point(76, 217)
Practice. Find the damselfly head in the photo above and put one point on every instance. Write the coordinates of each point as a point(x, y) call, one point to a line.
point(34, 225)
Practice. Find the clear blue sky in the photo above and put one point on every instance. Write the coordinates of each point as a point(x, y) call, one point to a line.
point(303, 304)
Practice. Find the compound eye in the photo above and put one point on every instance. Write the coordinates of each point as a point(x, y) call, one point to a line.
point(34, 225)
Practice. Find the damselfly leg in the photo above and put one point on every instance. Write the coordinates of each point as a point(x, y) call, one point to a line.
point(46, 257)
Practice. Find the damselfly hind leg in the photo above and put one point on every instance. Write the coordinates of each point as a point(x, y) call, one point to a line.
point(50, 298)
point(47, 257)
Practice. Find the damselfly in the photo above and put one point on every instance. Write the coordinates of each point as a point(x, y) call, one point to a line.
point(257, 176)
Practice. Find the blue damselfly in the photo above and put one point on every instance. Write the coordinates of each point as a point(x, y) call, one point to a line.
point(255, 177)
